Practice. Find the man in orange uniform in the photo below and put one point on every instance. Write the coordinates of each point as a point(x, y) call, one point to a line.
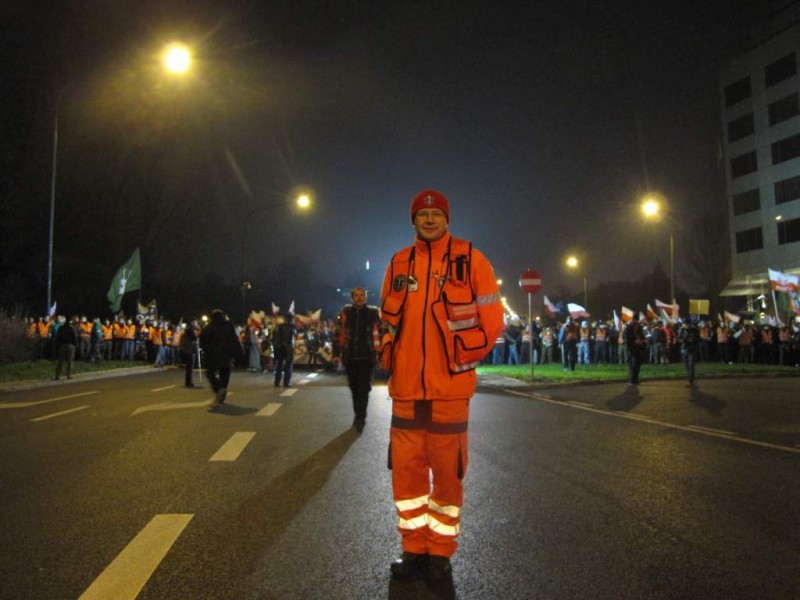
point(442, 306)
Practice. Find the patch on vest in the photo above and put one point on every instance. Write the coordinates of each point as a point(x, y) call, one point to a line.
point(399, 283)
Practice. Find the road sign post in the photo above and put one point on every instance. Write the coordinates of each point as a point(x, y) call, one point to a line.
point(531, 282)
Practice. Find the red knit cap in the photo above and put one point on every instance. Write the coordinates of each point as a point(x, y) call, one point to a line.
point(430, 199)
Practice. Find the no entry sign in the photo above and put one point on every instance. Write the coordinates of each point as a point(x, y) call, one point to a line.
point(530, 281)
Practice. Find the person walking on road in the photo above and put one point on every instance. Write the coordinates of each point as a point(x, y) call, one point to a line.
point(636, 346)
point(283, 348)
point(221, 346)
point(188, 346)
point(689, 338)
point(66, 342)
point(441, 304)
point(359, 340)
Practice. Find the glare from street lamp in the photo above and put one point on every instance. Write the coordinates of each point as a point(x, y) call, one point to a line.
point(177, 58)
point(651, 207)
point(304, 201)
point(572, 262)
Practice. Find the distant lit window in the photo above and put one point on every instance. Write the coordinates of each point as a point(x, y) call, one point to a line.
point(746, 202)
point(744, 164)
point(784, 109)
point(786, 149)
point(788, 231)
point(787, 190)
point(736, 92)
point(748, 240)
point(779, 70)
point(740, 128)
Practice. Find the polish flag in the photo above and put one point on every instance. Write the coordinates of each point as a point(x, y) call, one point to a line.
point(626, 314)
point(550, 308)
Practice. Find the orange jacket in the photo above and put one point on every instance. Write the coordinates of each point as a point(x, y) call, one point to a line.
point(444, 312)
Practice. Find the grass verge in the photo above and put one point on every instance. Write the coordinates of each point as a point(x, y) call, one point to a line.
point(46, 369)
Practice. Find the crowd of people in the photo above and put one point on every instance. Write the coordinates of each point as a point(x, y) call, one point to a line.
point(583, 342)
point(156, 341)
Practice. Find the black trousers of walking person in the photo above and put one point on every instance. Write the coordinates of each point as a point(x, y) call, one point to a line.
point(188, 358)
point(219, 378)
point(635, 360)
point(359, 378)
point(284, 358)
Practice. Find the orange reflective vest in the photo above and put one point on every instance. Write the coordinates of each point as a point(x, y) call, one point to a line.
point(107, 332)
point(585, 334)
point(443, 309)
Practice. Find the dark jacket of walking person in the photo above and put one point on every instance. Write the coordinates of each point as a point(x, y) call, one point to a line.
point(221, 346)
point(359, 340)
point(66, 342)
point(689, 338)
point(283, 350)
point(636, 344)
point(188, 346)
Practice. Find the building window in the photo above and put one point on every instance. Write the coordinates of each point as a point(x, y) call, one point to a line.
point(736, 92)
point(787, 190)
point(744, 164)
point(786, 149)
point(783, 109)
point(746, 202)
point(740, 128)
point(748, 240)
point(779, 70)
point(789, 231)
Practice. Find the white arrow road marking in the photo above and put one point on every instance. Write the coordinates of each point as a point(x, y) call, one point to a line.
point(289, 392)
point(27, 404)
point(269, 409)
point(58, 414)
point(234, 446)
point(161, 389)
point(172, 406)
point(127, 574)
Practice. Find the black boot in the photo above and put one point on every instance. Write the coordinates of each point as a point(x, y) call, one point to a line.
point(439, 568)
point(409, 565)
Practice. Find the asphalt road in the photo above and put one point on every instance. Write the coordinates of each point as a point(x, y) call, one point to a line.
point(131, 487)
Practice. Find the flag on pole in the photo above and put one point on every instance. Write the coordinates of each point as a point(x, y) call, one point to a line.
point(651, 314)
point(310, 318)
point(291, 307)
point(641, 316)
point(626, 314)
point(52, 312)
point(783, 282)
point(668, 308)
point(550, 308)
point(732, 317)
point(127, 279)
point(616, 319)
point(576, 311)
point(275, 309)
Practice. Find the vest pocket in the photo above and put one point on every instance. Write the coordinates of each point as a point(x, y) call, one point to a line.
point(470, 346)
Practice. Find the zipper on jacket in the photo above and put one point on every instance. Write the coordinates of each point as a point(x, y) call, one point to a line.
point(425, 317)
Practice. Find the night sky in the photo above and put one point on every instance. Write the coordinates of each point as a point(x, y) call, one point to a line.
point(542, 122)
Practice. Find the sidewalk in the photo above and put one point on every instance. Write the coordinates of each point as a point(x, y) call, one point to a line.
point(32, 384)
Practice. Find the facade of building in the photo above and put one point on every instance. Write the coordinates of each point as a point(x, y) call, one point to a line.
point(760, 95)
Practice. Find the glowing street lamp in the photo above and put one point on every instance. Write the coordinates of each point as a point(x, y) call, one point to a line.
point(177, 60)
point(301, 201)
point(652, 207)
point(573, 263)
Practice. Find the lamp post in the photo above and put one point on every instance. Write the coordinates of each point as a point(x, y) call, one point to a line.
point(177, 59)
point(574, 263)
point(303, 202)
point(652, 208)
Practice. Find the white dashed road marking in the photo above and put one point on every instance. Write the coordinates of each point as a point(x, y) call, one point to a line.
point(711, 430)
point(289, 392)
point(269, 409)
point(27, 404)
point(58, 414)
point(171, 406)
point(161, 389)
point(312, 375)
point(234, 446)
point(128, 573)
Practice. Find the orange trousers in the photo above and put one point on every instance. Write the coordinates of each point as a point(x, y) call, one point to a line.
point(428, 458)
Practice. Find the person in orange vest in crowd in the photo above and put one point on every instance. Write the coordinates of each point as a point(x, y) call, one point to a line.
point(601, 344)
point(442, 307)
point(705, 340)
point(548, 343)
point(359, 340)
point(108, 339)
point(129, 347)
point(745, 337)
point(785, 345)
point(723, 339)
point(568, 340)
point(84, 338)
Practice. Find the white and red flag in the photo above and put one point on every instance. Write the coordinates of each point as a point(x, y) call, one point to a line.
point(783, 282)
point(732, 317)
point(668, 308)
point(576, 311)
point(651, 314)
point(550, 308)
point(626, 314)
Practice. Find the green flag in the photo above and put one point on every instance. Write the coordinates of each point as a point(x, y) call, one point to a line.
point(127, 279)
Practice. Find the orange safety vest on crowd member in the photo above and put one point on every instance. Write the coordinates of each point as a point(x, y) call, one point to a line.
point(107, 332)
point(443, 306)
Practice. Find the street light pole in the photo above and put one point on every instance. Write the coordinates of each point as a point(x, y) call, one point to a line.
point(671, 268)
point(53, 203)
